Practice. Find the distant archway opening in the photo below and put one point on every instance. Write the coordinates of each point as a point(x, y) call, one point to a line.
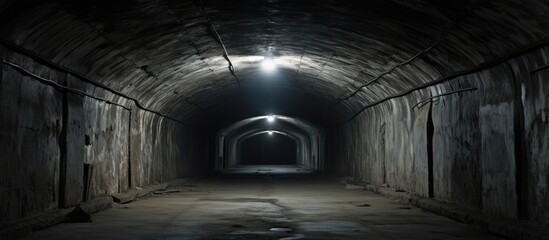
point(268, 149)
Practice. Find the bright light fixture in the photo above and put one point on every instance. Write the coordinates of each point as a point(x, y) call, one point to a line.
point(270, 118)
point(268, 64)
point(270, 132)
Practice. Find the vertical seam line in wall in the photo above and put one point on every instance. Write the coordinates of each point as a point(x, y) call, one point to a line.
point(1, 77)
point(63, 148)
point(521, 164)
point(130, 150)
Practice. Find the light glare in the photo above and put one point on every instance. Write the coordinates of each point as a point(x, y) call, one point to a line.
point(270, 132)
point(270, 118)
point(268, 64)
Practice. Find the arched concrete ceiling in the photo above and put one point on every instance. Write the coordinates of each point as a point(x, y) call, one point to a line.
point(284, 123)
point(293, 136)
point(279, 128)
point(334, 56)
point(241, 136)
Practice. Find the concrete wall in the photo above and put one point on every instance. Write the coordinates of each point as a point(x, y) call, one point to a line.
point(48, 134)
point(30, 132)
point(106, 129)
point(534, 94)
point(487, 148)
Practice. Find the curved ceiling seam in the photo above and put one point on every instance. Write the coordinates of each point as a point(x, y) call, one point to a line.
point(217, 96)
point(483, 66)
point(60, 86)
point(226, 55)
point(99, 33)
point(390, 70)
point(424, 101)
point(55, 66)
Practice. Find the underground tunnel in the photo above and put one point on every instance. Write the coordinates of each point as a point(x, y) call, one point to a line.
point(275, 149)
point(274, 119)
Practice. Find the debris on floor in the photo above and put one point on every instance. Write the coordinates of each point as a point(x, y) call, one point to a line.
point(78, 216)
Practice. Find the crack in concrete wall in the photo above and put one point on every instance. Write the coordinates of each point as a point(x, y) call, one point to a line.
point(473, 143)
point(43, 168)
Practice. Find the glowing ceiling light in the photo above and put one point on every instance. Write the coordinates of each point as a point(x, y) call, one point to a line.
point(270, 132)
point(270, 118)
point(268, 64)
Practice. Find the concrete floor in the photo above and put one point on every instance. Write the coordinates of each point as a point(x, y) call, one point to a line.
point(267, 170)
point(264, 207)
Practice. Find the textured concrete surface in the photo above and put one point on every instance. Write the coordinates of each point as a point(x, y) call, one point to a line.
point(30, 143)
point(264, 208)
point(107, 148)
point(510, 229)
point(164, 53)
point(23, 227)
point(48, 135)
point(484, 156)
point(72, 163)
point(349, 66)
point(534, 94)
